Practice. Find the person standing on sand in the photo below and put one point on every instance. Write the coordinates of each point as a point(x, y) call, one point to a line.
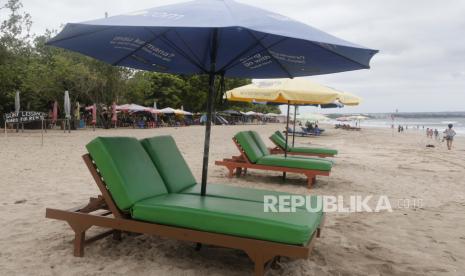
point(436, 134)
point(449, 134)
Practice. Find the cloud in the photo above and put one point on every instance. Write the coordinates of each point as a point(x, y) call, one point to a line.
point(422, 47)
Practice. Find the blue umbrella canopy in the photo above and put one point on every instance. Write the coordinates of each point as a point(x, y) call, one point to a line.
point(215, 37)
point(250, 42)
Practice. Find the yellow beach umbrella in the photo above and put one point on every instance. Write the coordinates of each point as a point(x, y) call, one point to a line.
point(297, 91)
point(349, 99)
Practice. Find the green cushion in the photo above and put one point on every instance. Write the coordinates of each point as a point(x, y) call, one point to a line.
point(280, 134)
point(278, 141)
point(228, 216)
point(241, 193)
point(309, 157)
point(248, 144)
point(169, 162)
point(313, 150)
point(258, 140)
point(291, 162)
point(127, 170)
point(282, 144)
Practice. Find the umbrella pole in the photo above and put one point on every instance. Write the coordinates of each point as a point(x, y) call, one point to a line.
point(293, 133)
point(206, 146)
point(211, 96)
point(287, 130)
point(287, 136)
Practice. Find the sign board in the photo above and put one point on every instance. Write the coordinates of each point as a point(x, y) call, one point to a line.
point(23, 117)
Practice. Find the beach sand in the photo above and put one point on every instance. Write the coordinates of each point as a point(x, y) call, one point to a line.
point(425, 240)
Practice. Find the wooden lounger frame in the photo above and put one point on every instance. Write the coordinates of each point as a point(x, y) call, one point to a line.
point(239, 164)
point(103, 212)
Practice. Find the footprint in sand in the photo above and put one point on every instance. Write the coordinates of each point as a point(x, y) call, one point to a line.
point(318, 258)
point(372, 246)
point(450, 255)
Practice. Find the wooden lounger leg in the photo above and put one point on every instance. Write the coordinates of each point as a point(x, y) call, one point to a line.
point(238, 171)
point(260, 259)
point(311, 179)
point(117, 235)
point(231, 171)
point(79, 238)
point(259, 267)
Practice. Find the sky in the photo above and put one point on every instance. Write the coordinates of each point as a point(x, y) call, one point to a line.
point(420, 67)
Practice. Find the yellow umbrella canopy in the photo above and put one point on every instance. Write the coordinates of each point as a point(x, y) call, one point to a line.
point(349, 99)
point(286, 91)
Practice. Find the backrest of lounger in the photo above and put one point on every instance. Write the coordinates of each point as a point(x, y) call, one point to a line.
point(127, 170)
point(248, 144)
point(280, 135)
point(278, 141)
point(260, 142)
point(169, 162)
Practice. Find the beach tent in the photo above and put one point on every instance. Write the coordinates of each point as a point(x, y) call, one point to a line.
point(343, 119)
point(358, 117)
point(312, 117)
point(168, 110)
point(251, 113)
point(216, 38)
point(137, 108)
point(271, 114)
point(232, 112)
point(154, 111)
point(182, 112)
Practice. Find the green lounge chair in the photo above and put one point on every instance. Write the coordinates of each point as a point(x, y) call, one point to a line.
point(255, 155)
point(280, 142)
point(179, 179)
point(142, 194)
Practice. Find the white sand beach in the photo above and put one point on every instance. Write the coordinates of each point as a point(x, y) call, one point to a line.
point(427, 240)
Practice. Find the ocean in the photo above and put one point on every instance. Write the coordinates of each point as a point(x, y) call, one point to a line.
point(421, 123)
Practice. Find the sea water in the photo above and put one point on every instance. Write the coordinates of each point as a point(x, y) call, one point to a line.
point(416, 123)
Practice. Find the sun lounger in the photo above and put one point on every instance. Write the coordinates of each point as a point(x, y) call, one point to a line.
point(299, 133)
point(255, 155)
point(313, 131)
point(305, 151)
point(347, 127)
point(142, 192)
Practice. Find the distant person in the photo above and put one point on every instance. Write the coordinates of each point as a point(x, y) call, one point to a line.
point(399, 128)
point(427, 133)
point(449, 134)
point(436, 134)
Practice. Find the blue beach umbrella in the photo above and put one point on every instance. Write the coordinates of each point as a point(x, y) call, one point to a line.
point(220, 38)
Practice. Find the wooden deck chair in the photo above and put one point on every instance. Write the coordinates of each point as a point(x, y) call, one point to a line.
point(110, 210)
point(280, 145)
point(255, 155)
